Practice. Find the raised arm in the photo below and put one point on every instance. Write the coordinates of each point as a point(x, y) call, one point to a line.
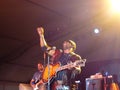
point(43, 42)
point(40, 31)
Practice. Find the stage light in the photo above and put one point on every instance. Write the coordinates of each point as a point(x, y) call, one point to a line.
point(115, 6)
point(96, 30)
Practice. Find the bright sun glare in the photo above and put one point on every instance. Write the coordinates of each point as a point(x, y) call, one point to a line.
point(115, 5)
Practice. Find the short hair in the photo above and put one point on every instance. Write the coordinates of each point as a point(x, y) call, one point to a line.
point(73, 44)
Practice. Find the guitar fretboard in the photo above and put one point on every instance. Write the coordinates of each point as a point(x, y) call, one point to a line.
point(74, 64)
point(66, 66)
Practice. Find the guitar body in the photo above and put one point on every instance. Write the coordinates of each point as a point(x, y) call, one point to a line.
point(50, 72)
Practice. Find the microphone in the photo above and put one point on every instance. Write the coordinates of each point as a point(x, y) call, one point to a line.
point(53, 48)
point(50, 48)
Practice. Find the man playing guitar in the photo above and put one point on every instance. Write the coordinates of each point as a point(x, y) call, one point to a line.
point(64, 56)
point(36, 82)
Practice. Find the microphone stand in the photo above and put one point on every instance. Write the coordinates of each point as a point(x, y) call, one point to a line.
point(48, 72)
point(44, 58)
point(48, 64)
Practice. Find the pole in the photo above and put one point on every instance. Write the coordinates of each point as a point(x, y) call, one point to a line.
point(44, 58)
point(48, 72)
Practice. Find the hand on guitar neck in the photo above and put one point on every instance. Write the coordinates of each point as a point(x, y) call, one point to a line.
point(36, 87)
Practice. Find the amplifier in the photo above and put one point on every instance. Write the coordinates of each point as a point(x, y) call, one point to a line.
point(94, 84)
point(98, 83)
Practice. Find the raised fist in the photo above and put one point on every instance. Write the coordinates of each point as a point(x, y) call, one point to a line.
point(40, 31)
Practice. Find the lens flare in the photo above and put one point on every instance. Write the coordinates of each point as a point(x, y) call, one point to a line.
point(115, 5)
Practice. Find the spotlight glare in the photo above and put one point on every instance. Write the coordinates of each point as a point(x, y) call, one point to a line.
point(115, 5)
point(96, 31)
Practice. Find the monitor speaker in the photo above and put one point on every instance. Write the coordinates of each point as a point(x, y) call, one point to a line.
point(94, 84)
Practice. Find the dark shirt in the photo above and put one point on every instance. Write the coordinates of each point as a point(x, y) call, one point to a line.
point(67, 58)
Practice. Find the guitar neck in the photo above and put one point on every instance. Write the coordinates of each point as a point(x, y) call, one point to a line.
point(74, 64)
point(65, 67)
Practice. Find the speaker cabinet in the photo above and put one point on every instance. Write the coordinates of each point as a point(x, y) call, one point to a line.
point(94, 84)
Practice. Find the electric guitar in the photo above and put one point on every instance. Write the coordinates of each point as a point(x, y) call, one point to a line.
point(51, 70)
